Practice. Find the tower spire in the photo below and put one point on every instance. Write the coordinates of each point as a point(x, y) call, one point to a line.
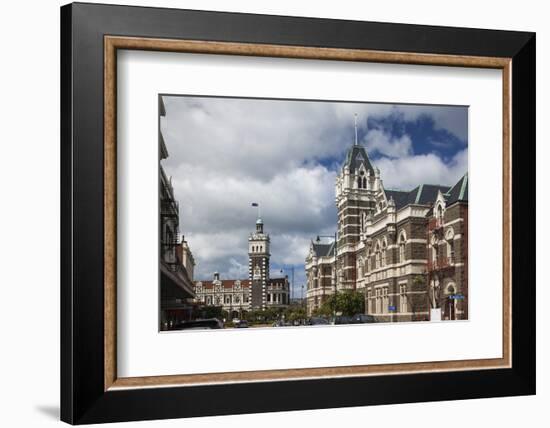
point(257, 205)
point(259, 222)
point(355, 117)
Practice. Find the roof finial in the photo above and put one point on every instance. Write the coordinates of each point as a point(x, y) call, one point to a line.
point(355, 128)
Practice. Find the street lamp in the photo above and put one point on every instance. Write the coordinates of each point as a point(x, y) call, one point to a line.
point(335, 275)
point(292, 283)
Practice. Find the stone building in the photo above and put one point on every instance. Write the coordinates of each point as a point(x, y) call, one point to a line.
point(258, 264)
point(176, 261)
point(233, 295)
point(406, 251)
point(258, 292)
point(319, 274)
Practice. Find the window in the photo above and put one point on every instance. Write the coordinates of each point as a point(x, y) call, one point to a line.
point(403, 299)
point(385, 300)
point(402, 241)
point(378, 300)
point(384, 256)
point(451, 250)
point(369, 302)
point(369, 263)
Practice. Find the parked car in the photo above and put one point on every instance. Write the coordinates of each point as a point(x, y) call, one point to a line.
point(362, 319)
point(341, 319)
point(318, 321)
point(200, 324)
point(241, 324)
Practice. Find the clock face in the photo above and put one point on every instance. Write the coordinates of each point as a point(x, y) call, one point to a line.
point(257, 272)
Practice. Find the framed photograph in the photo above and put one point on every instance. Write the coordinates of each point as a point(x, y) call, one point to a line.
point(292, 213)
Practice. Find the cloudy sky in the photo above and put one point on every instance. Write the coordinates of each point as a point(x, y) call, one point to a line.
point(226, 153)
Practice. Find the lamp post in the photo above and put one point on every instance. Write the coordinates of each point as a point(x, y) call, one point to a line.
point(335, 275)
point(291, 284)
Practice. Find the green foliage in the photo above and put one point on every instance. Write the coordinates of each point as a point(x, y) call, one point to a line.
point(211, 312)
point(295, 313)
point(419, 280)
point(346, 303)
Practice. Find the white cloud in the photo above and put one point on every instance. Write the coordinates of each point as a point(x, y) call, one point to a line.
point(226, 153)
point(407, 172)
point(376, 140)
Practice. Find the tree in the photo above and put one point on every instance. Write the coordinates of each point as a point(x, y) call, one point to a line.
point(347, 303)
point(295, 313)
point(211, 312)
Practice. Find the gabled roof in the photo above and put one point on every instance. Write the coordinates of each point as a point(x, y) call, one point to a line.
point(226, 283)
point(400, 197)
point(459, 192)
point(357, 156)
point(425, 194)
point(323, 250)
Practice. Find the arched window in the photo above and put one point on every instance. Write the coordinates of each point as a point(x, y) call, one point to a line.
point(377, 256)
point(364, 182)
point(384, 253)
point(450, 288)
point(449, 237)
point(403, 299)
point(451, 251)
point(359, 182)
point(439, 213)
point(402, 240)
point(378, 308)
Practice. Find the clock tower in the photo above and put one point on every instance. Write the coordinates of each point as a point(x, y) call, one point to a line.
point(258, 264)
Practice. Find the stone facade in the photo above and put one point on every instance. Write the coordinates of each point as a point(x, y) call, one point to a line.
point(258, 265)
point(232, 295)
point(406, 251)
point(176, 263)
